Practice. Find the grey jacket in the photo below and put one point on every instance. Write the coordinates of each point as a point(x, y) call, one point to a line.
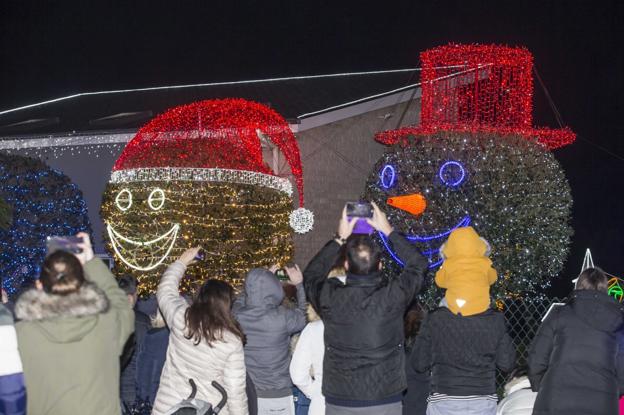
point(268, 326)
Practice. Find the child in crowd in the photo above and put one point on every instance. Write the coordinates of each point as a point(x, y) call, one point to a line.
point(268, 326)
point(463, 342)
point(306, 366)
point(466, 273)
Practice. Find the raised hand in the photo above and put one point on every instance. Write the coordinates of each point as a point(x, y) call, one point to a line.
point(188, 256)
point(345, 226)
point(379, 221)
point(295, 276)
point(87, 250)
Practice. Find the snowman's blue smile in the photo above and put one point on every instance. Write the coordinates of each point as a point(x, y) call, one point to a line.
point(430, 254)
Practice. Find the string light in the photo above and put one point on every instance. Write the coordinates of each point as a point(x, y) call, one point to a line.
point(387, 177)
point(202, 174)
point(615, 289)
point(495, 95)
point(156, 199)
point(444, 174)
point(123, 200)
point(169, 238)
point(301, 220)
point(44, 202)
point(239, 226)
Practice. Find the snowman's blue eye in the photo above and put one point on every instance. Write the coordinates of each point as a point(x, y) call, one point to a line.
point(452, 173)
point(387, 176)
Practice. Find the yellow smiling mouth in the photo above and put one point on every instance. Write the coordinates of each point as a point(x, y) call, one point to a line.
point(140, 249)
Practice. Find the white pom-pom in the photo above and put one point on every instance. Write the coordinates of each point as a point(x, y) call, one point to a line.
point(301, 220)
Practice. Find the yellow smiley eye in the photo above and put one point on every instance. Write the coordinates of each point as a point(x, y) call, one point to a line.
point(123, 200)
point(156, 199)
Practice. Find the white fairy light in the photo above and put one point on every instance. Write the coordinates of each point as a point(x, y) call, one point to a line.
point(123, 200)
point(115, 237)
point(301, 220)
point(156, 199)
point(202, 175)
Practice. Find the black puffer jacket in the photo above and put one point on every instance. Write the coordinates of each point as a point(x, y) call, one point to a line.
point(364, 357)
point(574, 360)
point(463, 352)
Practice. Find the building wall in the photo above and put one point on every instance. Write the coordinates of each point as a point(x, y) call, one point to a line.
point(337, 160)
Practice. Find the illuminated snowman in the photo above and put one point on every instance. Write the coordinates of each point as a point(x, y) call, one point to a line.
point(475, 160)
point(195, 176)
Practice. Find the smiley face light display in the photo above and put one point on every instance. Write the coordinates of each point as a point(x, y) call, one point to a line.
point(195, 176)
point(488, 169)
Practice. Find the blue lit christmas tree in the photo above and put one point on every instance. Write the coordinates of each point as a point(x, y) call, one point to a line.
point(38, 202)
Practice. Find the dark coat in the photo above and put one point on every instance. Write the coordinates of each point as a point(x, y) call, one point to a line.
point(364, 359)
point(128, 383)
point(415, 398)
point(574, 360)
point(463, 352)
point(151, 358)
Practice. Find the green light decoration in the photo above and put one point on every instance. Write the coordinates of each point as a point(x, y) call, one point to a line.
point(615, 289)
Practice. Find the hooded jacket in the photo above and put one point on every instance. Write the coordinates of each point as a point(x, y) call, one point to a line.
point(574, 363)
point(268, 326)
point(466, 273)
point(12, 390)
point(71, 344)
point(220, 361)
point(364, 361)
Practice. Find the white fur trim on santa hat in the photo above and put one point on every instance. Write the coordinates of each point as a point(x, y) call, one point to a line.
point(202, 175)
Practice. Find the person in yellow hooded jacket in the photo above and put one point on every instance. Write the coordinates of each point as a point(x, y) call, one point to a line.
point(466, 273)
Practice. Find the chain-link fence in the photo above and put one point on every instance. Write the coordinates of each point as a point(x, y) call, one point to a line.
point(523, 317)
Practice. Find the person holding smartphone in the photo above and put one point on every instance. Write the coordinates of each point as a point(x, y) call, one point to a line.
point(72, 329)
point(364, 362)
point(268, 326)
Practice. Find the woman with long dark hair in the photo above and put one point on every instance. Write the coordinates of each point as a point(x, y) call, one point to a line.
point(205, 343)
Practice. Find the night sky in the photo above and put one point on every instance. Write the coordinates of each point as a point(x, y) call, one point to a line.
point(54, 48)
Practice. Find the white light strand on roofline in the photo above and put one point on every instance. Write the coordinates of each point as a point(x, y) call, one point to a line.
point(64, 141)
point(253, 81)
point(55, 146)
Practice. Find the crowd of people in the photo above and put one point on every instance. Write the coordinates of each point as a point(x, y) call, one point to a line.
point(340, 337)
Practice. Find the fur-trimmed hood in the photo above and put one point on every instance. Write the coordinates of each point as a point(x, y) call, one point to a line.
point(63, 318)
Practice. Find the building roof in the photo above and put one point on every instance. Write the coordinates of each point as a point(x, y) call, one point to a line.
point(295, 98)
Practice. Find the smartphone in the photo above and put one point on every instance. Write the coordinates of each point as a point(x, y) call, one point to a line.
point(281, 274)
point(360, 211)
point(200, 256)
point(64, 243)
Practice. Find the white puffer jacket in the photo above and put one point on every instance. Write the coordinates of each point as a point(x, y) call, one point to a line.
point(306, 366)
point(223, 362)
point(519, 398)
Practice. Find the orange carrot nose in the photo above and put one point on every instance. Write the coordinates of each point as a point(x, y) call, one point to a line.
point(414, 204)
